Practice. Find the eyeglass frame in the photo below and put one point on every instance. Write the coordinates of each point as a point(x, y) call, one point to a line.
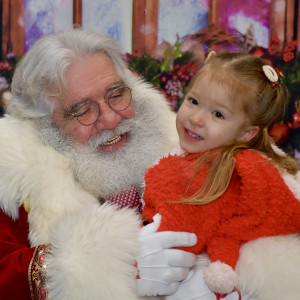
point(74, 114)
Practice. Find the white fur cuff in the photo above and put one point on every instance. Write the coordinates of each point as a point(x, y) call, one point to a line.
point(93, 255)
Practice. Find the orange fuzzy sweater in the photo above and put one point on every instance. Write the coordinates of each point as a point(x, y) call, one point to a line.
point(257, 203)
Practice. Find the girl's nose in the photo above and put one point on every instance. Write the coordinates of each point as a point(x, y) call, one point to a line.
point(198, 118)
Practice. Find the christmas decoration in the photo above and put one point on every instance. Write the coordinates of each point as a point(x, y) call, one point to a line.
point(279, 132)
point(169, 69)
point(7, 69)
point(6, 73)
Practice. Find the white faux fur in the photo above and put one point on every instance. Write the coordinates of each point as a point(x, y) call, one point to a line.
point(32, 169)
point(292, 181)
point(93, 255)
point(269, 268)
point(94, 247)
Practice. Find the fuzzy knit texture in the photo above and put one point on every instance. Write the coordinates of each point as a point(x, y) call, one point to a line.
point(257, 203)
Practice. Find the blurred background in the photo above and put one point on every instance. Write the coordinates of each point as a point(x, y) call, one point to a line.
point(166, 41)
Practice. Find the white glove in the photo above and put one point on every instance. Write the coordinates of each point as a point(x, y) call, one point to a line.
point(194, 288)
point(161, 268)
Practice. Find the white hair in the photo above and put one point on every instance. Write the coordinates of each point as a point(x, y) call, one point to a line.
point(40, 74)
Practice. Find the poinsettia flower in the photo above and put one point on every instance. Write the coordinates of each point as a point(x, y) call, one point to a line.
point(287, 56)
point(274, 42)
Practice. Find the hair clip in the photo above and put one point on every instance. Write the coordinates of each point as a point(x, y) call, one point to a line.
point(273, 74)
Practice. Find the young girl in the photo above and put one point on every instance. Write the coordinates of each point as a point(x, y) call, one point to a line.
point(225, 184)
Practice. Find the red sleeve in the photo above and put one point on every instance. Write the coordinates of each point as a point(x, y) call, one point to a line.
point(15, 257)
point(149, 209)
point(148, 212)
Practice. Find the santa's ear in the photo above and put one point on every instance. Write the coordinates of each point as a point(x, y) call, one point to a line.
point(248, 134)
point(210, 56)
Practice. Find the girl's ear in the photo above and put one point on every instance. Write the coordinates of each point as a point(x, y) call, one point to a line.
point(248, 134)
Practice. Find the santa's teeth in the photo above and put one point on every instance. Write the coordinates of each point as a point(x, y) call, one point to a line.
point(113, 140)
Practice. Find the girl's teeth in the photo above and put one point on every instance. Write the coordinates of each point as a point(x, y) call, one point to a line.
point(194, 135)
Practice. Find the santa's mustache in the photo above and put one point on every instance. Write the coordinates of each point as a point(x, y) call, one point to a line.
point(108, 134)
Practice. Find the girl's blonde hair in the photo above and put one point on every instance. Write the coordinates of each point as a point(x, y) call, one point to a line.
point(263, 103)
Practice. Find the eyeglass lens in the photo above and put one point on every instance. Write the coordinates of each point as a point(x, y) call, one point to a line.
point(117, 100)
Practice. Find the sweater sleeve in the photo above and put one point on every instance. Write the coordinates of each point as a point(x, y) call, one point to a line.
point(149, 196)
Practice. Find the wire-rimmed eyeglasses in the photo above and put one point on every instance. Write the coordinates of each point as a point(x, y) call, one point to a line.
point(88, 112)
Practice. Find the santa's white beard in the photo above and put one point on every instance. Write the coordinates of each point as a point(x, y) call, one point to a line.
point(109, 173)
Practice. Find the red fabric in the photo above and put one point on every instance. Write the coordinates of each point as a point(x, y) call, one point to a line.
point(15, 257)
point(221, 296)
point(257, 203)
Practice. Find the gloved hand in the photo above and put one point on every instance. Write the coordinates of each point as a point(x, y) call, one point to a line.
point(161, 268)
point(194, 288)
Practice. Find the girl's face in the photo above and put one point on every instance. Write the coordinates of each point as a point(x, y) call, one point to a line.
point(208, 118)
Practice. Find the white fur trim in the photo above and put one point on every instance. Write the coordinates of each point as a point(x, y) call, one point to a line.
point(293, 182)
point(93, 255)
point(13, 190)
point(269, 268)
point(94, 247)
point(177, 151)
point(32, 169)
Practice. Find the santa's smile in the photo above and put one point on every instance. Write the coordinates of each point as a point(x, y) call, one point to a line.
point(113, 144)
point(112, 141)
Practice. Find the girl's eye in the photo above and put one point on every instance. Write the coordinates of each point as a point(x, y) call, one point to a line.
point(193, 101)
point(217, 114)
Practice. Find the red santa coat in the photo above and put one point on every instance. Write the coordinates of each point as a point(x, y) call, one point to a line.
point(257, 203)
point(15, 254)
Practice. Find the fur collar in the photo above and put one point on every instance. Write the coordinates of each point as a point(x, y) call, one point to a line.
point(34, 171)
